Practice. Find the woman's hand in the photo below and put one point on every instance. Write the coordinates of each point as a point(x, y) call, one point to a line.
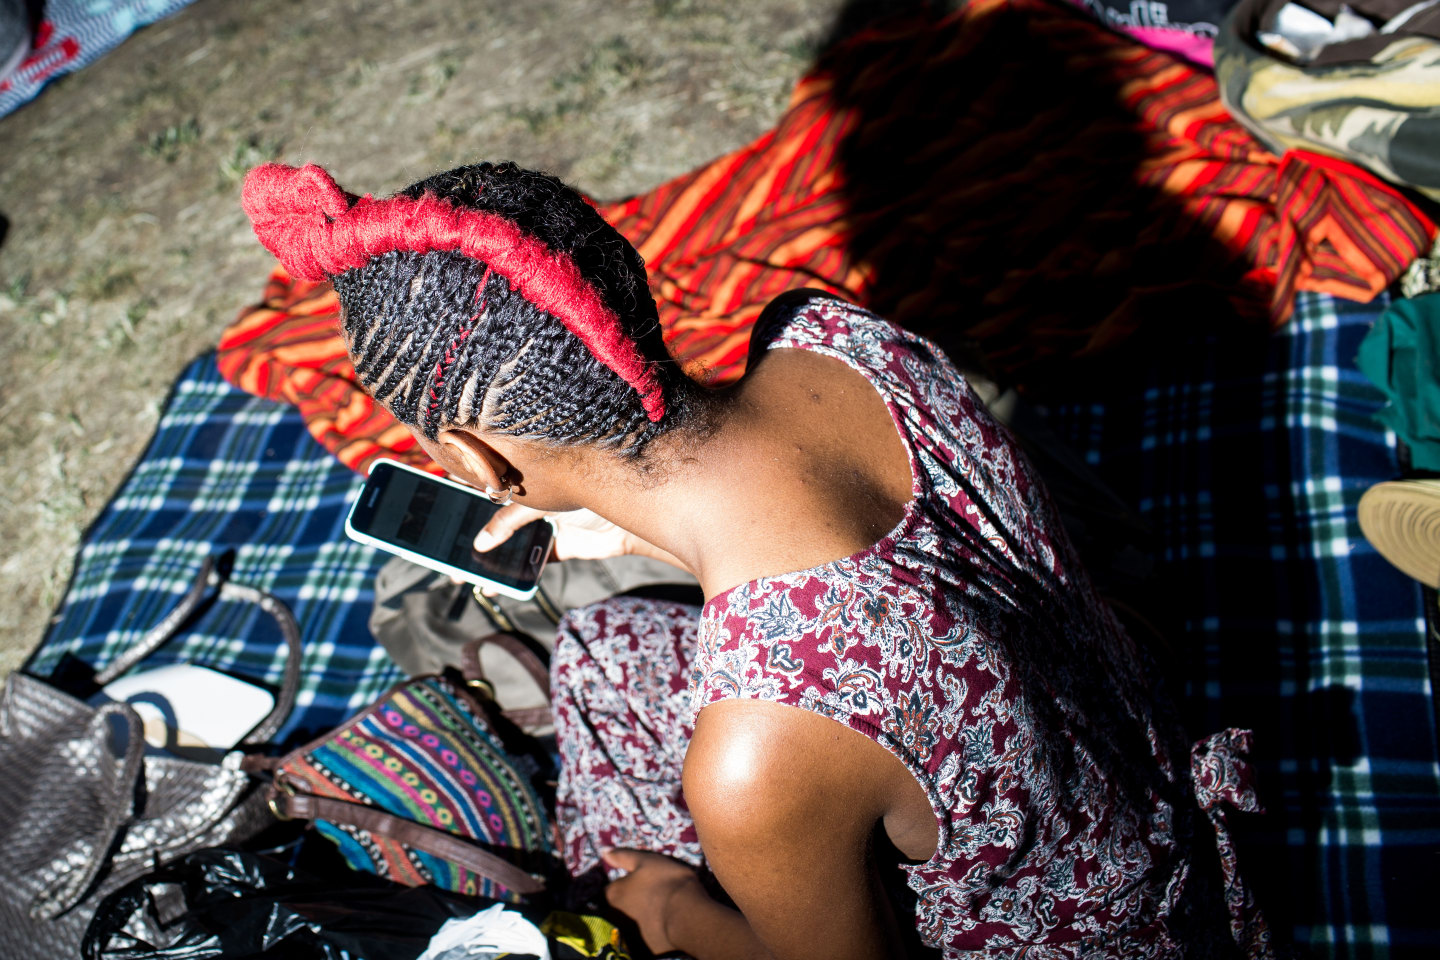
point(654, 886)
point(579, 534)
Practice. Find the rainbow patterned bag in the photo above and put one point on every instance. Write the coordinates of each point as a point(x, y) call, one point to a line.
point(425, 787)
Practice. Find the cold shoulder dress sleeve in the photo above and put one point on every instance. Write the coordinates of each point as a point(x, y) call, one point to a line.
point(970, 644)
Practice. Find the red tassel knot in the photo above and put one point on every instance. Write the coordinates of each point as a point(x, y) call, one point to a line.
point(319, 231)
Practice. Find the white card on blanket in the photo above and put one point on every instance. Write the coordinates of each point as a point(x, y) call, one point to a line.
point(192, 707)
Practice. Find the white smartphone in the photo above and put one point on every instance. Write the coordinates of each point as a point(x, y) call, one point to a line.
point(433, 521)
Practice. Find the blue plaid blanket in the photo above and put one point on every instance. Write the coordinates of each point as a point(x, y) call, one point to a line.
point(1246, 453)
point(227, 470)
point(1247, 456)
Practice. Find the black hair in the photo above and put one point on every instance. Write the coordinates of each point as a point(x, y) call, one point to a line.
point(442, 341)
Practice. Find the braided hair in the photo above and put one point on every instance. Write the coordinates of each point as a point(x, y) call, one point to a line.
point(444, 337)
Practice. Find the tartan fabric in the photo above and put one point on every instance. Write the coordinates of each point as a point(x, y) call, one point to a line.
point(1048, 190)
point(1247, 457)
point(229, 470)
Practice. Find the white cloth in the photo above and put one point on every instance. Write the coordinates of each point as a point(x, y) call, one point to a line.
point(492, 932)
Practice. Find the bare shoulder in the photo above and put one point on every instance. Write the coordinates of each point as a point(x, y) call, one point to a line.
point(818, 440)
point(786, 803)
point(759, 763)
point(810, 368)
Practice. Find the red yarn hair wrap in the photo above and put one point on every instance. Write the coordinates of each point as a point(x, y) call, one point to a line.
point(319, 231)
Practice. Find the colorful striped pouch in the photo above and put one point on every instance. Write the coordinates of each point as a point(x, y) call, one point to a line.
point(421, 788)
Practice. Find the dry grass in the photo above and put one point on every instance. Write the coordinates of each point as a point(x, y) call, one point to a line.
point(127, 251)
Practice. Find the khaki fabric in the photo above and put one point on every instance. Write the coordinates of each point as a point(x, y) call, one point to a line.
point(1382, 114)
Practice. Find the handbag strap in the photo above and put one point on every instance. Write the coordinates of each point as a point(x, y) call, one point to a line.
point(474, 673)
point(169, 626)
point(501, 619)
point(266, 730)
point(447, 846)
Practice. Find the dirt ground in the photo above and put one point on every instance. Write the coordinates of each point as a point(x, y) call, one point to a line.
point(126, 250)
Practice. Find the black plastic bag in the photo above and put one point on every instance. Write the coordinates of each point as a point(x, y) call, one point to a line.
point(238, 905)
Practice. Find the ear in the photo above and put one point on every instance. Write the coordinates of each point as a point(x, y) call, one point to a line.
point(466, 456)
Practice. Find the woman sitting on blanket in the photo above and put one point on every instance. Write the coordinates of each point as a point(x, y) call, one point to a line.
point(899, 668)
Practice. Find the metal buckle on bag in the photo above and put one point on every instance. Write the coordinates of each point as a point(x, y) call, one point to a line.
point(484, 686)
point(285, 787)
point(497, 616)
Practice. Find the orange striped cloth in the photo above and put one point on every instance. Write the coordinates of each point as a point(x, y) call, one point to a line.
point(1013, 180)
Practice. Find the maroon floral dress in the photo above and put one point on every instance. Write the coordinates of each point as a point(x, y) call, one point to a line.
point(970, 644)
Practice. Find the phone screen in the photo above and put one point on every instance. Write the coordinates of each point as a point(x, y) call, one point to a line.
point(436, 520)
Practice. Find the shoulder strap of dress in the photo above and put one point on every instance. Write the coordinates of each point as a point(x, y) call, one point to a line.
point(780, 310)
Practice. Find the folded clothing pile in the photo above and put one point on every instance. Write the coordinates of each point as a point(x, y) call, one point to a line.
point(1359, 82)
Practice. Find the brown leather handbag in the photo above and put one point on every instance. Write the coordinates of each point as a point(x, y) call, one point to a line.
point(84, 810)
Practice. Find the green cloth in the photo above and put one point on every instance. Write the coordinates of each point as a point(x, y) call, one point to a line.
point(1401, 356)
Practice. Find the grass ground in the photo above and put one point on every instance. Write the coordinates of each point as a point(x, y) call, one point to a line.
point(127, 252)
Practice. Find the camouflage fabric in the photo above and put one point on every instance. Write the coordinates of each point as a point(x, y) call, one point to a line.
point(1382, 114)
point(1423, 275)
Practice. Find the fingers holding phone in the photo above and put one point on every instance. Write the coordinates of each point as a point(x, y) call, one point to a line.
point(435, 522)
point(504, 523)
point(579, 534)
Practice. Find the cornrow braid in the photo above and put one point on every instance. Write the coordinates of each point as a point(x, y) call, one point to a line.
point(444, 364)
point(442, 338)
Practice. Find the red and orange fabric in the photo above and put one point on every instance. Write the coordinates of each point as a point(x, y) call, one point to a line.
point(1013, 180)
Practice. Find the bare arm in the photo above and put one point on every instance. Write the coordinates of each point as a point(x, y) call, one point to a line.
point(672, 908)
point(786, 803)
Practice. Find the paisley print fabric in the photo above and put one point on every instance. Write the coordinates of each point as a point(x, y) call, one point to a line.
point(1224, 779)
point(620, 675)
point(970, 644)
